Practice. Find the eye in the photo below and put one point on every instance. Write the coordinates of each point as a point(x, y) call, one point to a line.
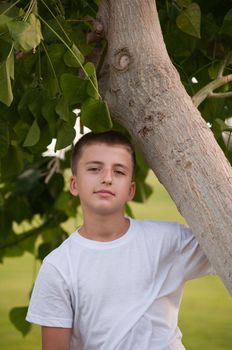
point(93, 169)
point(119, 172)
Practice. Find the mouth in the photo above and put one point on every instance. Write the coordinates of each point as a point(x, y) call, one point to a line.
point(104, 193)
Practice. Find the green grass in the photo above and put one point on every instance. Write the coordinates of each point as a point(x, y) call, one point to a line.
point(206, 311)
point(16, 275)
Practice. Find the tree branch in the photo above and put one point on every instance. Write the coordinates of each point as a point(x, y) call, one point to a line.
point(33, 232)
point(53, 167)
point(207, 90)
point(22, 237)
point(220, 94)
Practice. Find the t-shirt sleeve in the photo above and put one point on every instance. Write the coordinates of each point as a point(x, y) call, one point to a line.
point(50, 303)
point(193, 259)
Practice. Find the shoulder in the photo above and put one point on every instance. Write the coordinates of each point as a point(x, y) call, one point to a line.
point(60, 257)
point(159, 233)
point(158, 228)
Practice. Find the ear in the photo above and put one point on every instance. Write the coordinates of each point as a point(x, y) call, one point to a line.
point(132, 191)
point(73, 186)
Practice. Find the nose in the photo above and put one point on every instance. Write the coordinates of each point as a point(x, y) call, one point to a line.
point(107, 177)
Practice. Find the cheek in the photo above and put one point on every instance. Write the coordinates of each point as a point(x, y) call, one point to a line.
point(86, 184)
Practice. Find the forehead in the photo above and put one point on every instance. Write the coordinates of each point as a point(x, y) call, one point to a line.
point(103, 152)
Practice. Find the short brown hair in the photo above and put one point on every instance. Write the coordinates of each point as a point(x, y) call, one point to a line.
point(110, 138)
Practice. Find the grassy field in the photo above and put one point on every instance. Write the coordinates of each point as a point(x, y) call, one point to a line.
point(206, 311)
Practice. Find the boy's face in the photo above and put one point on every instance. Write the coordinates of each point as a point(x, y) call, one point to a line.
point(103, 179)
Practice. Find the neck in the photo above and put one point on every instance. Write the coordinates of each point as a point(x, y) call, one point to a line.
point(104, 228)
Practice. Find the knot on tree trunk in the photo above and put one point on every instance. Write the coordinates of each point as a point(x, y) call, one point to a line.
point(97, 33)
point(122, 59)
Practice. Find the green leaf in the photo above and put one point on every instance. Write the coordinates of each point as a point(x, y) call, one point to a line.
point(4, 138)
point(7, 8)
point(189, 21)
point(6, 73)
point(12, 163)
point(24, 34)
point(54, 235)
point(183, 3)
point(80, 39)
point(73, 57)
point(91, 71)
point(33, 135)
point(44, 140)
point(10, 62)
point(5, 48)
point(143, 191)
point(28, 244)
point(58, 25)
point(43, 250)
point(6, 95)
point(49, 114)
point(65, 136)
point(17, 316)
point(62, 109)
point(48, 110)
point(35, 22)
point(35, 104)
point(214, 69)
point(3, 22)
point(95, 115)
point(67, 203)
point(27, 180)
point(5, 227)
point(14, 251)
point(73, 88)
point(23, 105)
point(56, 52)
point(1, 200)
point(18, 208)
point(219, 126)
point(51, 239)
point(56, 185)
point(213, 108)
point(128, 210)
point(227, 24)
point(21, 130)
point(179, 43)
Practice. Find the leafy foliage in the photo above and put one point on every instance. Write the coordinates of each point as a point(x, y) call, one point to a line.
point(46, 73)
point(17, 317)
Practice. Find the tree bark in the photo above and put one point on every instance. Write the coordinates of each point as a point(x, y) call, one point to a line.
point(146, 96)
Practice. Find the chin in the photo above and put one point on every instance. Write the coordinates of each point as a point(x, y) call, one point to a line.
point(106, 211)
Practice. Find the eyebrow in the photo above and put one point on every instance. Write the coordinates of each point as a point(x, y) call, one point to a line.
point(101, 163)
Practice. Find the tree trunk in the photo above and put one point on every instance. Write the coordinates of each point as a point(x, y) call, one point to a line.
point(145, 94)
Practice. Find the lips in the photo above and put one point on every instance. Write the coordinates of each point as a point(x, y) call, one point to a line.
point(104, 192)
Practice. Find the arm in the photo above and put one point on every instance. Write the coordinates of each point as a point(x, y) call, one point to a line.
point(193, 259)
point(51, 307)
point(56, 338)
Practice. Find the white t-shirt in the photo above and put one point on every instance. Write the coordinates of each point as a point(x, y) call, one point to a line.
point(119, 295)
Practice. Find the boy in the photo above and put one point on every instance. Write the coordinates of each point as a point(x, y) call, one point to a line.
point(115, 283)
